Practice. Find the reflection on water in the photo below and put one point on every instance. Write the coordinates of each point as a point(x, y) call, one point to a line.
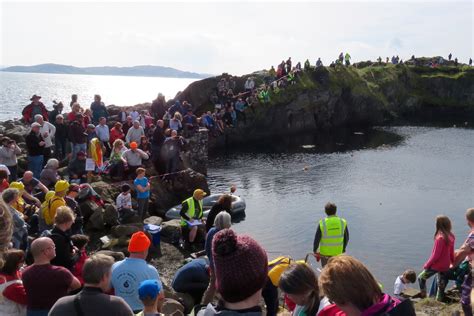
point(388, 188)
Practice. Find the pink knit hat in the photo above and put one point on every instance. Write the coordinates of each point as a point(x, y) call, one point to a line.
point(240, 265)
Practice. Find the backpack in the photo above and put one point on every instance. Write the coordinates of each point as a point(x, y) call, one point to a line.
point(45, 212)
point(276, 267)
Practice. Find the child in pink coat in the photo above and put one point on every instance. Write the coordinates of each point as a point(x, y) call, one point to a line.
point(442, 257)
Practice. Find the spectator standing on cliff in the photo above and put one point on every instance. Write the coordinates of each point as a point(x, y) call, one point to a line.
point(319, 63)
point(241, 267)
point(332, 235)
point(176, 107)
point(158, 107)
point(135, 133)
point(347, 58)
point(45, 283)
point(450, 56)
point(57, 109)
point(456, 62)
point(103, 134)
point(172, 148)
point(8, 156)
point(116, 133)
point(75, 110)
point(35, 147)
point(142, 186)
point(77, 135)
point(47, 131)
point(61, 137)
point(307, 65)
point(157, 140)
point(341, 58)
point(77, 168)
point(127, 125)
point(240, 110)
point(130, 272)
point(470, 62)
point(35, 107)
point(98, 109)
point(288, 65)
point(190, 122)
point(73, 100)
point(249, 84)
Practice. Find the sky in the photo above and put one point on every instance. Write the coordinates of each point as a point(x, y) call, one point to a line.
point(233, 37)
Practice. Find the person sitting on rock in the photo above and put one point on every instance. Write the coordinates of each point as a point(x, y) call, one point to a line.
point(190, 122)
point(241, 268)
point(175, 123)
point(134, 158)
point(171, 151)
point(71, 202)
point(152, 297)
point(35, 107)
point(130, 272)
point(93, 299)
point(145, 146)
point(124, 204)
point(192, 279)
point(77, 135)
point(77, 169)
point(57, 110)
point(191, 210)
point(50, 175)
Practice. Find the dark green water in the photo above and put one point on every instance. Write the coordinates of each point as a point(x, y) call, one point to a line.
point(388, 187)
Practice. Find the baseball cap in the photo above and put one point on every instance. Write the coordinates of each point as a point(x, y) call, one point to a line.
point(149, 288)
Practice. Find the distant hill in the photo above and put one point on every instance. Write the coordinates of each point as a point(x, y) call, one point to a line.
point(143, 71)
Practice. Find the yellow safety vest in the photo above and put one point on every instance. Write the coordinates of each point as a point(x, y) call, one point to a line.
point(332, 235)
point(191, 210)
point(277, 266)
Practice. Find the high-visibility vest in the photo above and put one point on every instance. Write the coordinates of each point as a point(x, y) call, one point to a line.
point(332, 236)
point(191, 210)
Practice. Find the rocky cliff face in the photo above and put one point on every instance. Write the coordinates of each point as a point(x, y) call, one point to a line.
point(334, 97)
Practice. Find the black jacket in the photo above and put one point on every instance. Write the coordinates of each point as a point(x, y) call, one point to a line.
point(63, 243)
point(32, 144)
point(158, 137)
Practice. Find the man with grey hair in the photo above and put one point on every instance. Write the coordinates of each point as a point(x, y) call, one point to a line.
point(222, 221)
point(92, 300)
point(135, 133)
point(45, 283)
point(47, 131)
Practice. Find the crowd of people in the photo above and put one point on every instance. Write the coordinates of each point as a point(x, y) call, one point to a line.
point(47, 270)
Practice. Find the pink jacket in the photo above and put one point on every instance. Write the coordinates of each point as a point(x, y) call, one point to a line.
point(442, 255)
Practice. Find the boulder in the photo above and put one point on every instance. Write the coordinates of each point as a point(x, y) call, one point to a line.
point(117, 255)
point(154, 220)
point(166, 195)
point(96, 220)
point(171, 230)
point(124, 230)
point(172, 307)
point(88, 208)
point(17, 133)
point(107, 191)
point(110, 215)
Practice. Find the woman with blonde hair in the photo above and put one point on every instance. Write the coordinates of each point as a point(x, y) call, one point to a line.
point(117, 162)
point(175, 122)
point(347, 283)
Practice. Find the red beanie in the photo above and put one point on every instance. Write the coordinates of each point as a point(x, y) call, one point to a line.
point(139, 242)
point(240, 265)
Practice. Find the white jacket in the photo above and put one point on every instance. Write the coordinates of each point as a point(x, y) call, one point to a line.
point(48, 129)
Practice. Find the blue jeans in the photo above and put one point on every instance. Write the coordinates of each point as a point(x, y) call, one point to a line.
point(77, 148)
point(35, 165)
point(13, 172)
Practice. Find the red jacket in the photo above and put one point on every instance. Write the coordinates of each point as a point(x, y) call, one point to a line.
point(28, 110)
point(116, 134)
point(14, 292)
point(77, 269)
point(442, 255)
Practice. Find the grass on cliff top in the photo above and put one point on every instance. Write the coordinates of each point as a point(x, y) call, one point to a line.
point(431, 307)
